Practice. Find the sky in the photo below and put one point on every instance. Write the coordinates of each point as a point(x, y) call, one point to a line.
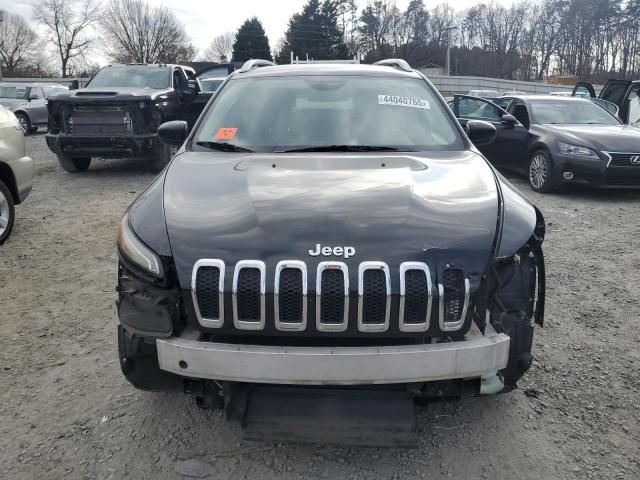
point(204, 19)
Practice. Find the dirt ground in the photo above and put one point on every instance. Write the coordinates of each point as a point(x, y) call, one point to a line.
point(67, 412)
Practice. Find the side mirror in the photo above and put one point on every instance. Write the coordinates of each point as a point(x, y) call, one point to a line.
point(189, 92)
point(173, 133)
point(480, 132)
point(74, 85)
point(509, 121)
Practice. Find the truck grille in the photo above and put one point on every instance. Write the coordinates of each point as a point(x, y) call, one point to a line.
point(290, 302)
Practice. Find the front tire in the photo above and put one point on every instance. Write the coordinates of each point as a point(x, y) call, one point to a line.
point(161, 157)
point(25, 123)
point(541, 172)
point(7, 212)
point(74, 165)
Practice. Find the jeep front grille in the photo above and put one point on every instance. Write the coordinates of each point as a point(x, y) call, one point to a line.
point(375, 309)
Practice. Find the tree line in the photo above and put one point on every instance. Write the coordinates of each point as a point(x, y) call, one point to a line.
point(529, 40)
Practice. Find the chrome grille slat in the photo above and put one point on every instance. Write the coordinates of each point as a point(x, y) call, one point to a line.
point(281, 323)
point(242, 323)
point(364, 296)
point(339, 326)
point(405, 304)
point(452, 325)
point(218, 321)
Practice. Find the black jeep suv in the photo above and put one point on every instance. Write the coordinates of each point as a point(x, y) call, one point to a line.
point(118, 113)
point(328, 241)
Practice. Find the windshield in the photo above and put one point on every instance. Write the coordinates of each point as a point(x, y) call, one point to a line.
point(277, 114)
point(16, 92)
point(131, 77)
point(50, 91)
point(571, 112)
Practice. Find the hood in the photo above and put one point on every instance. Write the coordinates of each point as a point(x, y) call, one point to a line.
point(12, 103)
point(111, 93)
point(614, 138)
point(393, 208)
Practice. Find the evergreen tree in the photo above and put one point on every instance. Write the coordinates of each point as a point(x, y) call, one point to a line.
point(251, 42)
point(315, 32)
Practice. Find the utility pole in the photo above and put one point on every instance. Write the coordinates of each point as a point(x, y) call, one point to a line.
point(448, 30)
point(1, 20)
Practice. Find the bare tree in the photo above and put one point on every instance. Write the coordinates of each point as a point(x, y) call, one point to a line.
point(221, 48)
point(138, 32)
point(18, 42)
point(68, 22)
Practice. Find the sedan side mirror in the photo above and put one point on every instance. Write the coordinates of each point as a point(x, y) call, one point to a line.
point(509, 121)
point(480, 132)
point(173, 133)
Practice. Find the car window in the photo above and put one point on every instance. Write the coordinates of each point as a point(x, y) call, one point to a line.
point(276, 113)
point(15, 92)
point(471, 108)
point(131, 77)
point(35, 93)
point(614, 92)
point(634, 105)
point(570, 112)
point(209, 84)
point(519, 110)
point(582, 91)
point(49, 91)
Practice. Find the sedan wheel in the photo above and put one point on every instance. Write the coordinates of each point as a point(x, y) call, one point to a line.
point(25, 124)
point(7, 212)
point(540, 172)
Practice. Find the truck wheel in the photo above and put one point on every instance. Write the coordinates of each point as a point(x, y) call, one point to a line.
point(541, 172)
point(161, 157)
point(7, 212)
point(25, 123)
point(74, 165)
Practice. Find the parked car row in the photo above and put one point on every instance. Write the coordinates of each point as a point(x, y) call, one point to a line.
point(29, 102)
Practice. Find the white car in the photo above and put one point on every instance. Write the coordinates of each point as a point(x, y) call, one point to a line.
point(560, 94)
point(16, 171)
point(513, 93)
point(484, 93)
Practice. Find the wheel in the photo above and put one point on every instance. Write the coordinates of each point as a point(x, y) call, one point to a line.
point(74, 165)
point(25, 123)
point(161, 157)
point(7, 212)
point(541, 172)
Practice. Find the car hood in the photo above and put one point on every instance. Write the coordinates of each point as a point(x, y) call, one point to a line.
point(393, 208)
point(615, 138)
point(110, 94)
point(11, 103)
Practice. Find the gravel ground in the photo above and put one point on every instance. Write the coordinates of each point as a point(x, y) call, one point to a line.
point(67, 411)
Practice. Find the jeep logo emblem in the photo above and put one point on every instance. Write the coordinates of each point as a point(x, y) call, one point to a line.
point(635, 160)
point(325, 251)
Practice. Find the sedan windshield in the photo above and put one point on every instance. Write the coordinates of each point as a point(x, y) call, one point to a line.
point(13, 92)
point(131, 77)
point(571, 112)
point(327, 113)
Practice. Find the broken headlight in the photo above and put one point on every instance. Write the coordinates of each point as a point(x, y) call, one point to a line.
point(136, 251)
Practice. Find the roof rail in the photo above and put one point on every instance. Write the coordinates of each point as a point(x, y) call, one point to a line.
point(251, 64)
point(395, 63)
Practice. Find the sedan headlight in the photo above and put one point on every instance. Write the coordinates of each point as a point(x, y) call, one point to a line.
point(576, 150)
point(136, 251)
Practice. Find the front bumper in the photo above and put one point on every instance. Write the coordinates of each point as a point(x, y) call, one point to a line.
point(106, 146)
point(23, 169)
point(477, 356)
point(595, 172)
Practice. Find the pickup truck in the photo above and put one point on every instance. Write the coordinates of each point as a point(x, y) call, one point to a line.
point(118, 113)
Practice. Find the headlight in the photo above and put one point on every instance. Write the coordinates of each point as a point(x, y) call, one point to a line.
point(136, 251)
point(576, 151)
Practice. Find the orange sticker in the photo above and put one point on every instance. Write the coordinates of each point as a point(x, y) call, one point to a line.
point(226, 133)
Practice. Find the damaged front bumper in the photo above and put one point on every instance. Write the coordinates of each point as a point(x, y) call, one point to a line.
point(477, 356)
point(105, 146)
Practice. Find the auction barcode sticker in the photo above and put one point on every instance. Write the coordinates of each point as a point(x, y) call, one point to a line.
point(403, 101)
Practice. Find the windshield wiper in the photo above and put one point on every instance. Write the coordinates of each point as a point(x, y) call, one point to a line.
point(223, 146)
point(342, 148)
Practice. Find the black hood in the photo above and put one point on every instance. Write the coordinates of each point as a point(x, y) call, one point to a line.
point(613, 138)
point(111, 93)
point(436, 207)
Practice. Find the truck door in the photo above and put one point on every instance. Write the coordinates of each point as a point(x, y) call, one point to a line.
point(630, 110)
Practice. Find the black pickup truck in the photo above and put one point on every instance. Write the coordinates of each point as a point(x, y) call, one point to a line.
point(118, 113)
